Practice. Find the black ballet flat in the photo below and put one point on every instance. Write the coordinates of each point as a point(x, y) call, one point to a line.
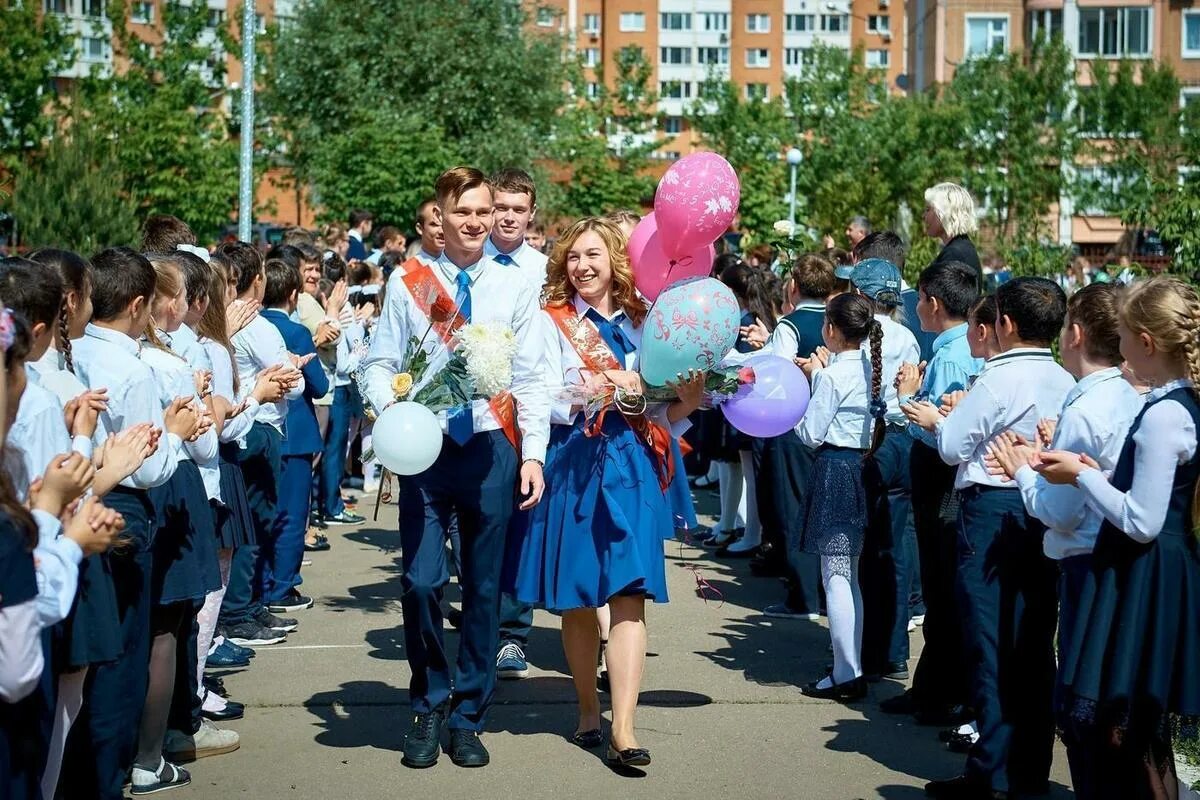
point(842, 692)
point(588, 740)
point(633, 757)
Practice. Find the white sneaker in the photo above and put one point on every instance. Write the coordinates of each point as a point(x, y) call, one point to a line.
point(912, 626)
point(919, 619)
point(208, 741)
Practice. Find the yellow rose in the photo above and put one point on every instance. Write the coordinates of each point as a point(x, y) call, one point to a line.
point(402, 385)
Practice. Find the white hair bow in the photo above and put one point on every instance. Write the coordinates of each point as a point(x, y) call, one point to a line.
point(198, 252)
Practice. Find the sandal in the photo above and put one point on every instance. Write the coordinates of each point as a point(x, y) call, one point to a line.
point(168, 776)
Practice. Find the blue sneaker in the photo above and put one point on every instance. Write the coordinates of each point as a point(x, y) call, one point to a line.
point(224, 657)
point(510, 662)
point(238, 650)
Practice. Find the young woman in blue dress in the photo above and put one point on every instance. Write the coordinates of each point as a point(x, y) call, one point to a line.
point(597, 536)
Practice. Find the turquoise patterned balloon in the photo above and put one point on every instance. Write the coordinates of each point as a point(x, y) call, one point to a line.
point(693, 324)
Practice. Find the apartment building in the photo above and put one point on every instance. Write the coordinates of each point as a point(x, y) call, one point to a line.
point(757, 44)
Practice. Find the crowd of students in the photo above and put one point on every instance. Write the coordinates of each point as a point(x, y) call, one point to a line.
point(178, 425)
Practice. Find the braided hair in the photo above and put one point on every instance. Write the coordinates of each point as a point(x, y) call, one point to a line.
point(74, 274)
point(854, 317)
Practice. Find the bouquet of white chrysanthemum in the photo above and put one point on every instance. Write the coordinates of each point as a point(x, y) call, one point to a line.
point(488, 348)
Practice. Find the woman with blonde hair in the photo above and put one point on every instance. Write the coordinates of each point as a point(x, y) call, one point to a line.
point(597, 536)
point(950, 218)
point(335, 237)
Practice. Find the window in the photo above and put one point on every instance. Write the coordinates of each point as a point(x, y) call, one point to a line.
point(757, 91)
point(758, 57)
point(675, 90)
point(715, 22)
point(1046, 24)
point(591, 57)
point(879, 23)
point(592, 90)
point(796, 56)
point(1114, 32)
point(142, 13)
point(95, 48)
point(1191, 34)
point(216, 18)
point(633, 21)
point(260, 24)
point(800, 23)
point(877, 58)
point(986, 35)
point(56, 6)
point(712, 55)
point(758, 23)
point(545, 17)
point(591, 24)
point(93, 8)
point(1100, 182)
point(675, 22)
point(672, 125)
point(674, 55)
point(835, 23)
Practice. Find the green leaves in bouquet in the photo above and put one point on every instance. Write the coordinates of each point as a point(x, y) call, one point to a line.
point(717, 382)
point(416, 360)
point(451, 387)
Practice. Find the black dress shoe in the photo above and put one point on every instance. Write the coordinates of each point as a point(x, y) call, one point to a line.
point(905, 703)
point(588, 740)
point(466, 750)
point(963, 788)
point(602, 684)
point(942, 715)
point(846, 692)
point(633, 757)
point(232, 710)
point(960, 742)
point(423, 743)
point(454, 617)
point(216, 686)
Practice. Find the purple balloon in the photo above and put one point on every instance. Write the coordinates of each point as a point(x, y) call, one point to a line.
point(774, 403)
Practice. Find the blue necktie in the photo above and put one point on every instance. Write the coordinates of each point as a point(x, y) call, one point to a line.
point(463, 300)
point(460, 425)
point(614, 337)
point(505, 259)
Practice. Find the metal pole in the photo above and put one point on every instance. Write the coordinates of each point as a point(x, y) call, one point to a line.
point(246, 160)
point(792, 204)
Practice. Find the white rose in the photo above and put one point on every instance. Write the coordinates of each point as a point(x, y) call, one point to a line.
point(783, 227)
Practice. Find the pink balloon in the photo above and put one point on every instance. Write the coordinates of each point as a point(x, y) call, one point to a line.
point(696, 202)
point(653, 270)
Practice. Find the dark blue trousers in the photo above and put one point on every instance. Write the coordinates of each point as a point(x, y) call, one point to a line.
point(280, 555)
point(477, 482)
point(941, 677)
point(260, 464)
point(104, 739)
point(784, 465)
point(884, 567)
point(333, 456)
point(516, 618)
point(1006, 598)
point(1072, 574)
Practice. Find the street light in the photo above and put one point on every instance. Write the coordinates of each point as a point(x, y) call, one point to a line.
point(794, 157)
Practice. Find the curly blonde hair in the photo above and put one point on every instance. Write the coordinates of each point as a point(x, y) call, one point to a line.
point(558, 290)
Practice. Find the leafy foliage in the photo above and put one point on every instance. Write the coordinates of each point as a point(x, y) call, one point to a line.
point(35, 47)
point(65, 197)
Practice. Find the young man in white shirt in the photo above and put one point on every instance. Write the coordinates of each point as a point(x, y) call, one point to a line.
point(515, 207)
point(475, 474)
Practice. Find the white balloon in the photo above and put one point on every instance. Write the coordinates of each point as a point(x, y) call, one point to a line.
point(407, 438)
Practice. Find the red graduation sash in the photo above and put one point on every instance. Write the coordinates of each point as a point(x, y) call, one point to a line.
point(444, 317)
point(597, 358)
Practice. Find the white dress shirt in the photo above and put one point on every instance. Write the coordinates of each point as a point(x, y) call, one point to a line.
point(495, 298)
point(529, 262)
point(783, 341)
point(839, 409)
point(21, 659)
point(1016, 390)
point(255, 347)
point(1095, 419)
point(235, 429)
point(1165, 439)
point(108, 359)
point(565, 368)
point(899, 347)
point(52, 373)
point(175, 378)
point(39, 433)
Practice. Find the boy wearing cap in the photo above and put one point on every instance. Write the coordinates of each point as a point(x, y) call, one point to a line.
point(885, 568)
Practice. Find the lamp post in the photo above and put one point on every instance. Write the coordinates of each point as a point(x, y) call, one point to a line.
point(794, 157)
point(246, 160)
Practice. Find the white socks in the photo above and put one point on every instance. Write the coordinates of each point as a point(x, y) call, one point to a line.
point(843, 598)
point(753, 536)
point(733, 497)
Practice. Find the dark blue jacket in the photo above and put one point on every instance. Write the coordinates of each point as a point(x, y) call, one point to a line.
point(303, 434)
point(358, 249)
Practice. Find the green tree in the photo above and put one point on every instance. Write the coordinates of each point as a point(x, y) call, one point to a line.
point(605, 142)
point(472, 70)
point(35, 47)
point(176, 154)
point(68, 195)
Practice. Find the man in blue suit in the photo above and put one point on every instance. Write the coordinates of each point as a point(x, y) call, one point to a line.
point(361, 223)
point(280, 574)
